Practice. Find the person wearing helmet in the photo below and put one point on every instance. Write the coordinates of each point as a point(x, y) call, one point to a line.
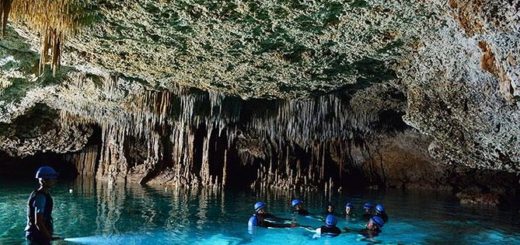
point(349, 212)
point(372, 228)
point(329, 229)
point(380, 211)
point(375, 223)
point(329, 210)
point(367, 211)
point(297, 206)
point(39, 227)
point(261, 218)
point(348, 209)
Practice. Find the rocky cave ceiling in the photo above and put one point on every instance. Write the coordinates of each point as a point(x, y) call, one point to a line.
point(269, 49)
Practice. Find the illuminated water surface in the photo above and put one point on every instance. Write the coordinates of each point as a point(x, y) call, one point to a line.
point(97, 214)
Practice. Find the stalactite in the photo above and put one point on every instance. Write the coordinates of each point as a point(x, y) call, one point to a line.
point(204, 171)
point(5, 9)
point(289, 144)
point(224, 170)
point(85, 161)
point(53, 20)
point(113, 165)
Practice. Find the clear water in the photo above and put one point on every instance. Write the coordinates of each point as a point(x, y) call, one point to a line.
point(97, 214)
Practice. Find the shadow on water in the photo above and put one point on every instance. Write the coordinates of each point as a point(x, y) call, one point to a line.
point(88, 212)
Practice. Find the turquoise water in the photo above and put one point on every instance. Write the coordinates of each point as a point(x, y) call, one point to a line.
point(97, 214)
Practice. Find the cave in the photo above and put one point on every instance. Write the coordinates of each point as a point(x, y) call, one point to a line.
point(188, 106)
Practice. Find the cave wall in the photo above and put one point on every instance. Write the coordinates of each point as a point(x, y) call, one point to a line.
point(462, 85)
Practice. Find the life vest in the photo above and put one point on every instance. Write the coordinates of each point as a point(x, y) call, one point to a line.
point(47, 213)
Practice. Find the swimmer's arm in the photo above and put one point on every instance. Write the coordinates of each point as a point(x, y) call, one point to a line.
point(317, 230)
point(276, 225)
point(315, 217)
point(272, 218)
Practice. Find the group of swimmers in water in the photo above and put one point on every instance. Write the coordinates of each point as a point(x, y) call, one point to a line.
point(375, 216)
point(39, 229)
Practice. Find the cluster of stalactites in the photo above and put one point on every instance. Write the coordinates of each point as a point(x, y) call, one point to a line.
point(5, 8)
point(304, 121)
point(321, 127)
point(291, 172)
point(53, 20)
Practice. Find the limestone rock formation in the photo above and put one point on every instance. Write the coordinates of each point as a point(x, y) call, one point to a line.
point(290, 94)
point(462, 86)
point(39, 130)
point(274, 49)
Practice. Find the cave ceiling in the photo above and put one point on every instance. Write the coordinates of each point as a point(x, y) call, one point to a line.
point(252, 49)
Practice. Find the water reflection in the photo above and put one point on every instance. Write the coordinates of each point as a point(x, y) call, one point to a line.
point(127, 208)
point(178, 215)
point(99, 214)
point(85, 186)
point(110, 204)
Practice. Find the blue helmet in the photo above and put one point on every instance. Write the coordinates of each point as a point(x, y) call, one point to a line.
point(259, 205)
point(378, 221)
point(296, 202)
point(330, 220)
point(380, 208)
point(367, 205)
point(349, 205)
point(46, 172)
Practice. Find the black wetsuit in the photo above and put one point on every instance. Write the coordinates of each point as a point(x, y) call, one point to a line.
point(302, 211)
point(268, 220)
point(330, 230)
point(350, 216)
point(32, 233)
